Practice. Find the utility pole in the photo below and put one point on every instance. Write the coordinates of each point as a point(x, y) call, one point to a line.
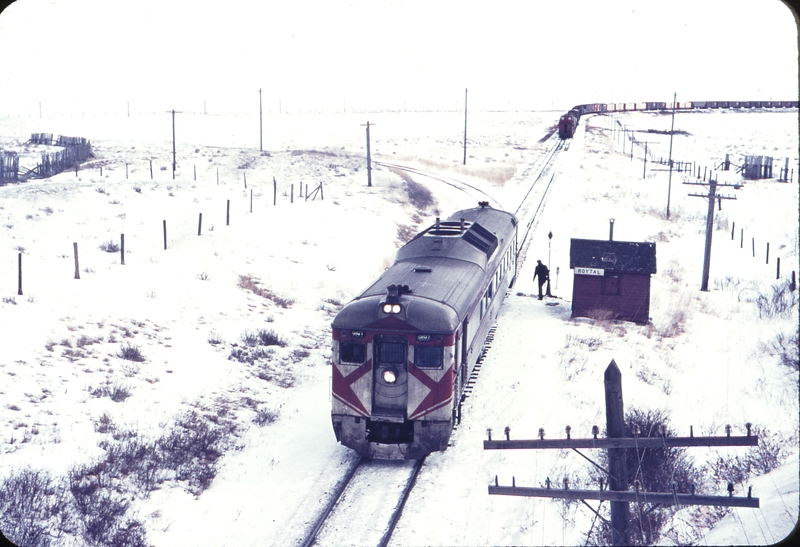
point(671, 131)
point(711, 196)
point(644, 169)
point(369, 158)
point(617, 443)
point(260, 123)
point(173, 140)
point(465, 126)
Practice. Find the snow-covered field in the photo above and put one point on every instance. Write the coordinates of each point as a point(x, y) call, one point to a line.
point(707, 359)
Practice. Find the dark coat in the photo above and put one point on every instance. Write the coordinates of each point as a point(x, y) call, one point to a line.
point(542, 272)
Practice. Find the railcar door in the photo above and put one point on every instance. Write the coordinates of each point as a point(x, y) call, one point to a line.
point(390, 393)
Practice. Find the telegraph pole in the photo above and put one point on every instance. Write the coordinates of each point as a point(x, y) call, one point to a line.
point(369, 159)
point(465, 126)
point(616, 444)
point(260, 123)
point(712, 196)
point(671, 130)
point(174, 163)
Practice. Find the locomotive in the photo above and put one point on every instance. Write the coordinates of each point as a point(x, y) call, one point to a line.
point(402, 350)
point(567, 124)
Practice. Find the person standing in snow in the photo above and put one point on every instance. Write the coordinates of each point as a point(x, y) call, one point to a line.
point(543, 274)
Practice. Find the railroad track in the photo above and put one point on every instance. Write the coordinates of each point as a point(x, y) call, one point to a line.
point(366, 504)
point(359, 513)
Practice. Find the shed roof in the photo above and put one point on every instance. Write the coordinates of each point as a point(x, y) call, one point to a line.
point(637, 257)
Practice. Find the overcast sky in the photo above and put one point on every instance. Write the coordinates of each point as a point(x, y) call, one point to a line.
point(362, 54)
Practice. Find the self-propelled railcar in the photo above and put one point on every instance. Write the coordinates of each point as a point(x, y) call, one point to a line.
point(404, 348)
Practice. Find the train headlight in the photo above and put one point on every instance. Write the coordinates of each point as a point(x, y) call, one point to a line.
point(391, 308)
point(389, 376)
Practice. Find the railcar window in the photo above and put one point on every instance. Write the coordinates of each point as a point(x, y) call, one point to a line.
point(428, 357)
point(390, 352)
point(351, 352)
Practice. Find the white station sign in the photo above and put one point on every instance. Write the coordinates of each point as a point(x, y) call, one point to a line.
point(589, 271)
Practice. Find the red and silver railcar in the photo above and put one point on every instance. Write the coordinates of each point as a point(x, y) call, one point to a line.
point(404, 348)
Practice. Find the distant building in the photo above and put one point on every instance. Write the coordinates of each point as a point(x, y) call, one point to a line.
point(613, 277)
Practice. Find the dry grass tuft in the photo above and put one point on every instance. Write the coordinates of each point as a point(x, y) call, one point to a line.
point(250, 283)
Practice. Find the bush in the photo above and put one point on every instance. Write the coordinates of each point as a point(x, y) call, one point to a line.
point(32, 508)
point(786, 347)
point(656, 470)
point(758, 460)
point(130, 353)
point(778, 302)
point(266, 416)
point(109, 246)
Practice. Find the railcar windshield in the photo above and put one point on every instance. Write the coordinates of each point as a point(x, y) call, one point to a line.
point(352, 352)
point(392, 352)
point(428, 357)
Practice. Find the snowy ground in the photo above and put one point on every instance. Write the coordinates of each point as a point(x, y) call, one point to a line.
point(705, 358)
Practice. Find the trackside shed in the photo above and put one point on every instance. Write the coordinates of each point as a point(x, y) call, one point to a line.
point(613, 277)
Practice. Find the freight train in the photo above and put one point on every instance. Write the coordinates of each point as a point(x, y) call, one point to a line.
point(402, 350)
point(569, 121)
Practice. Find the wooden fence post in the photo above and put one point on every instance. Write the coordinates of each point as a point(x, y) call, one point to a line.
point(733, 228)
point(251, 200)
point(245, 180)
point(199, 223)
point(768, 252)
point(151, 169)
point(165, 235)
point(228, 214)
point(778, 272)
point(122, 249)
point(195, 171)
point(291, 195)
point(754, 247)
point(19, 289)
point(126, 170)
point(274, 191)
point(77, 268)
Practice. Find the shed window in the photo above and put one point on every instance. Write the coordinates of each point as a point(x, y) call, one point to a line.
point(352, 352)
point(610, 285)
point(428, 357)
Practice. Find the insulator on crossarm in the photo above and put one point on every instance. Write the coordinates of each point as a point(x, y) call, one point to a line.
point(566, 483)
point(495, 480)
point(595, 431)
point(541, 433)
point(692, 488)
point(636, 430)
point(636, 484)
point(749, 492)
point(547, 482)
point(568, 429)
point(601, 484)
point(728, 430)
point(691, 431)
point(730, 489)
point(508, 433)
point(514, 481)
point(489, 432)
point(748, 425)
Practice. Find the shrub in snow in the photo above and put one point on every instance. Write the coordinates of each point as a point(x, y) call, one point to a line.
point(655, 469)
point(130, 353)
point(32, 508)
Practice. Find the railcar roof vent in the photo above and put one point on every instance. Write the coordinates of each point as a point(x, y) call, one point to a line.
point(481, 238)
point(423, 269)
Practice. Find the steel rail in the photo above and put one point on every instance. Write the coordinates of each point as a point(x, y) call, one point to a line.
point(339, 489)
point(399, 509)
